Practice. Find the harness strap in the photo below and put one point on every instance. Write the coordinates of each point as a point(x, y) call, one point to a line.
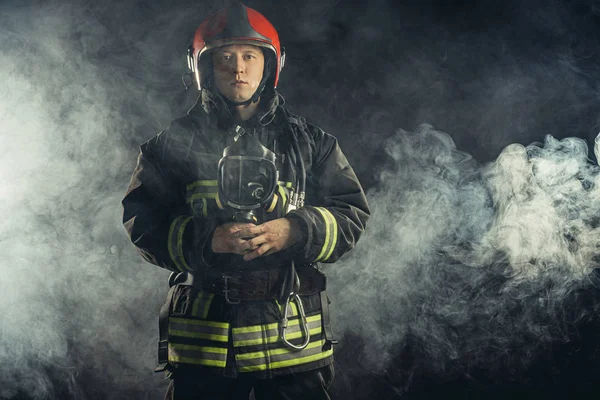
point(163, 332)
point(329, 339)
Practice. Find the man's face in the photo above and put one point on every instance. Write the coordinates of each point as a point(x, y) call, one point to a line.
point(238, 70)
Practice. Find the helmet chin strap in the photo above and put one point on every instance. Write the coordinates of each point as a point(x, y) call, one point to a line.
point(251, 100)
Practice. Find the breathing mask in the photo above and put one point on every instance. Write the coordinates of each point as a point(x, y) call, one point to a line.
point(247, 178)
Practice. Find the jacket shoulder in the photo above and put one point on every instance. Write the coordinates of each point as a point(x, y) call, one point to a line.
point(320, 142)
point(179, 135)
point(314, 133)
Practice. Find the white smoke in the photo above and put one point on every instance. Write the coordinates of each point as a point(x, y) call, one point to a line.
point(78, 305)
point(464, 261)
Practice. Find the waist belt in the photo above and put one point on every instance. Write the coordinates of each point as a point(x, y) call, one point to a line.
point(253, 285)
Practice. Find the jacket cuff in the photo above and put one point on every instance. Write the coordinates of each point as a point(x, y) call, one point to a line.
point(207, 256)
point(304, 249)
point(201, 243)
point(298, 249)
point(190, 241)
point(321, 232)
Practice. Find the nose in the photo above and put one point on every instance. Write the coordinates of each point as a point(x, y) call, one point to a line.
point(239, 65)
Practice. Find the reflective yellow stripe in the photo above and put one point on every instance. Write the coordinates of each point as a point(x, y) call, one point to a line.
point(195, 184)
point(302, 360)
point(203, 189)
point(217, 350)
point(207, 305)
point(272, 334)
point(200, 335)
point(334, 239)
point(273, 203)
point(283, 196)
point(223, 325)
point(180, 243)
point(199, 361)
point(280, 358)
point(330, 234)
point(202, 196)
point(275, 338)
point(274, 352)
point(199, 297)
point(202, 304)
point(200, 355)
point(293, 308)
point(194, 328)
point(175, 242)
point(170, 244)
point(259, 328)
point(286, 184)
point(327, 234)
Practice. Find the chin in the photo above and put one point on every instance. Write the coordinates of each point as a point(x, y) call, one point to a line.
point(238, 99)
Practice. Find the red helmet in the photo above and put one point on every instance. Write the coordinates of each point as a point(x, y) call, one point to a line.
point(236, 24)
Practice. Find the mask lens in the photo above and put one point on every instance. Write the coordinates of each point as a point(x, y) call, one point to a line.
point(247, 181)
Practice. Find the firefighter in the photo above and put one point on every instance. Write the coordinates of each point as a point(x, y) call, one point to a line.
point(243, 201)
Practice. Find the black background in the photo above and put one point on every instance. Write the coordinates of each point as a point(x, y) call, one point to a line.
point(489, 73)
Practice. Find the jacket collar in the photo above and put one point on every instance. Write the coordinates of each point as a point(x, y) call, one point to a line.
point(219, 112)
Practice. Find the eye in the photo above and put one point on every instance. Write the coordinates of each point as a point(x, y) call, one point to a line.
point(249, 56)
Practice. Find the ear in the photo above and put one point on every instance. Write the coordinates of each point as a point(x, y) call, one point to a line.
point(187, 79)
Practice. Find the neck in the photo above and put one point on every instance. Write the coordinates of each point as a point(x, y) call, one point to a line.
point(246, 112)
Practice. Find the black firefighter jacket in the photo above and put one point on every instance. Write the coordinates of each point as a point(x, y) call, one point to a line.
point(170, 212)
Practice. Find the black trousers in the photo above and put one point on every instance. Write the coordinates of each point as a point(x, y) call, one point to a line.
point(311, 385)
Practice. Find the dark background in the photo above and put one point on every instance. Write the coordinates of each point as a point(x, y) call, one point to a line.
point(86, 82)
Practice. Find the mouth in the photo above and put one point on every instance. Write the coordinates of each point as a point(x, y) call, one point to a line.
point(238, 83)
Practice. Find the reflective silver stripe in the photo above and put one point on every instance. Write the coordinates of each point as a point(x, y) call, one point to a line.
point(175, 242)
point(202, 304)
point(259, 334)
point(200, 355)
point(199, 329)
point(281, 358)
point(330, 234)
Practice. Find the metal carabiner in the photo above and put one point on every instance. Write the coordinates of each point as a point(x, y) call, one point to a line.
point(301, 320)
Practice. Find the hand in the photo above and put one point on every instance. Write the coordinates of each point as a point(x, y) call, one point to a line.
point(271, 237)
point(228, 238)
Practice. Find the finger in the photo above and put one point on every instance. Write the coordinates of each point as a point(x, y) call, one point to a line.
point(242, 247)
point(234, 226)
point(269, 252)
point(257, 253)
point(258, 241)
point(248, 232)
point(258, 229)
